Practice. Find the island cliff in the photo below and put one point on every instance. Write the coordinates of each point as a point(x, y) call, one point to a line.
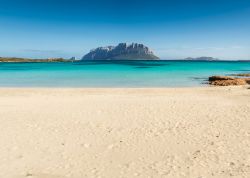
point(122, 51)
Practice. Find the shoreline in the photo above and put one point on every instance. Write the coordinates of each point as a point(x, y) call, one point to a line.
point(124, 132)
point(124, 89)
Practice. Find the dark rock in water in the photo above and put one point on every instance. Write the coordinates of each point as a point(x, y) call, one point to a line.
point(214, 78)
point(227, 81)
point(122, 51)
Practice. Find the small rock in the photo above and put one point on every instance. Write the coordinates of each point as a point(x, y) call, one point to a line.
point(227, 81)
point(29, 175)
point(232, 164)
point(214, 78)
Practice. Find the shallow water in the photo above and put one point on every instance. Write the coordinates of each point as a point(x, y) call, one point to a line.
point(116, 73)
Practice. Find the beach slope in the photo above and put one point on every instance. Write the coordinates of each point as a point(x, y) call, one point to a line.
point(112, 133)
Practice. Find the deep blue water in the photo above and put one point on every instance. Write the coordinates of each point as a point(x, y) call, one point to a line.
point(116, 73)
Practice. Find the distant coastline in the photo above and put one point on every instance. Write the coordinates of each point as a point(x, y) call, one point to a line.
point(51, 60)
point(203, 58)
point(17, 59)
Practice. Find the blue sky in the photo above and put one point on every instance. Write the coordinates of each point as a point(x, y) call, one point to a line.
point(172, 28)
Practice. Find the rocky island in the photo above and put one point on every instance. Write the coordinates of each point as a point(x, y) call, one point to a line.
point(122, 51)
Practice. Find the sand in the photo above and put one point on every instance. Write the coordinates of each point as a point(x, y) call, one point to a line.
point(125, 133)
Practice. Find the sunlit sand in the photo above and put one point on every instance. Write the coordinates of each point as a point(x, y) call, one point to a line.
point(112, 133)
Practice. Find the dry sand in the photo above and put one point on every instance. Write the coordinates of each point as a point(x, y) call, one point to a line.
point(125, 133)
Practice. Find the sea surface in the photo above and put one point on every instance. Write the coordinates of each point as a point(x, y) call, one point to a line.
point(116, 73)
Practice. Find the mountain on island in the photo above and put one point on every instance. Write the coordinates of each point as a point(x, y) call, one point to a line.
point(203, 58)
point(122, 51)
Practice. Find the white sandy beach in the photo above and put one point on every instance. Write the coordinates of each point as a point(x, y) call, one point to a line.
point(125, 133)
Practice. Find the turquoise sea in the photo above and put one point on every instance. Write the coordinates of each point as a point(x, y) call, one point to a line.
point(116, 73)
